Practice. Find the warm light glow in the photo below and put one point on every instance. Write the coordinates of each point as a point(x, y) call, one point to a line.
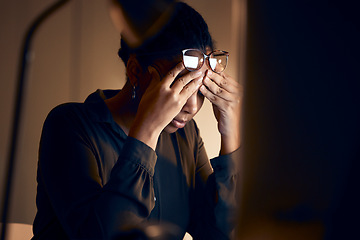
point(191, 61)
point(213, 62)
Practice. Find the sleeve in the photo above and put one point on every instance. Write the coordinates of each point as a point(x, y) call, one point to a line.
point(85, 207)
point(214, 200)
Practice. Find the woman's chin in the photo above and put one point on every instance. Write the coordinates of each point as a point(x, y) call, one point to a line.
point(170, 129)
point(174, 125)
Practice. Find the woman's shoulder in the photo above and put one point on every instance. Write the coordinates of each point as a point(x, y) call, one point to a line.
point(67, 116)
point(93, 103)
point(66, 110)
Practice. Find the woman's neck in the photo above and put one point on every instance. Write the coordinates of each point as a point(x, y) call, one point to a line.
point(123, 108)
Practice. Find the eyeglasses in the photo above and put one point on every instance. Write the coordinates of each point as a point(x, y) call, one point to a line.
point(193, 59)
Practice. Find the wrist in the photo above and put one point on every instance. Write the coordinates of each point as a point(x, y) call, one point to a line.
point(143, 132)
point(230, 143)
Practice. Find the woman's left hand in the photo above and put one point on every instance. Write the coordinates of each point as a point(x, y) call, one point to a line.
point(225, 94)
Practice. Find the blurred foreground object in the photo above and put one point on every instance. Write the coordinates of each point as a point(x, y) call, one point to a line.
point(139, 20)
point(301, 127)
point(149, 231)
point(21, 81)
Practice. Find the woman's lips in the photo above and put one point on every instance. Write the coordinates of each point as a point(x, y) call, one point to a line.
point(178, 123)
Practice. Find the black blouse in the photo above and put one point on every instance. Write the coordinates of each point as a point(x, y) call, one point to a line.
point(94, 182)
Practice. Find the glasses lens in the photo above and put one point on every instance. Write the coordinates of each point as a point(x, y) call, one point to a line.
point(193, 59)
point(218, 61)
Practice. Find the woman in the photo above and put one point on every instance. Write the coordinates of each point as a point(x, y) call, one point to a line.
point(126, 158)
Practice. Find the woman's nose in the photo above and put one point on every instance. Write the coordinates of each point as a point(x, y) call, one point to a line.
point(205, 66)
point(191, 106)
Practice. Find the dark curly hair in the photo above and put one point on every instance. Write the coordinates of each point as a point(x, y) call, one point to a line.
point(185, 29)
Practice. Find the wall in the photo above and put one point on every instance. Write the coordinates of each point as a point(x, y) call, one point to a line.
point(74, 53)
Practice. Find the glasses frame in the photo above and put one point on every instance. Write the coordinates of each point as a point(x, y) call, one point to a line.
point(206, 58)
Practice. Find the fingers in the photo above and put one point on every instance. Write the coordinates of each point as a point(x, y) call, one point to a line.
point(214, 92)
point(223, 81)
point(186, 84)
point(171, 75)
point(190, 82)
point(220, 87)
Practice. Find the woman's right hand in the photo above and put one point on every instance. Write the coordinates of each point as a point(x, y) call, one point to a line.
point(162, 101)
